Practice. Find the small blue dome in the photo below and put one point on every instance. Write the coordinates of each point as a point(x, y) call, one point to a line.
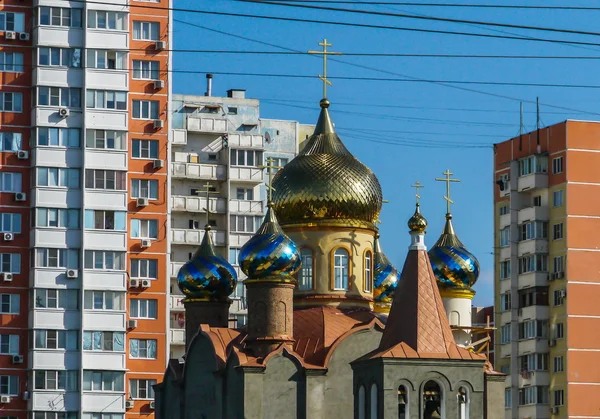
point(206, 276)
point(453, 265)
point(386, 278)
point(270, 252)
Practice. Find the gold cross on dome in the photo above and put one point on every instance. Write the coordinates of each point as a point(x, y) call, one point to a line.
point(207, 186)
point(447, 179)
point(270, 166)
point(325, 53)
point(417, 186)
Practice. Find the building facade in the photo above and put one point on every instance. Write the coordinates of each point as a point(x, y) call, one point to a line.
point(84, 123)
point(547, 277)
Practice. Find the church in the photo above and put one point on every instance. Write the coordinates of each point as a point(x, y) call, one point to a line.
point(334, 330)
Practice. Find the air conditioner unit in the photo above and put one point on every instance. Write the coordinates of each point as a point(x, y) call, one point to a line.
point(6, 276)
point(152, 405)
point(146, 243)
point(554, 410)
point(560, 275)
point(160, 45)
point(158, 164)
point(17, 359)
point(9, 237)
point(20, 196)
point(158, 123)
point(131, 324)
point(159, 84)
point(146, 283)
point(142, 202)
point(63, 112)
point(129, 404)
point(23, 36)
point(552, 343)
point(4, 399)
point(134, 283)
point(10, 35)
point(72, 273)
point(22, 155)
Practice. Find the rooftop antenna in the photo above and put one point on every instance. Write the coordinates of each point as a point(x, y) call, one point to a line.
point(537, 103)
point(521, 127)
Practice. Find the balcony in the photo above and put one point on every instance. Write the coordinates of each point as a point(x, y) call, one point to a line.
point(537, 411)
point(238, 240)
point(504, 221)
point(198, 204)
point(175, 303)
point(177, 336)
point(533, 246)
point(199, 171)
point(207, 124)
point(179, 137)
point(534, 312)
point(194, 237)
point(505, 285)
point(533, 279)
point(175, 267)
point(534, 378)
point(532, 181)
point(530, 346)
point(505, 253)
point(246, 174)
point(533, 214)
point(505, 350)
point(246, 207)
point(246, 141)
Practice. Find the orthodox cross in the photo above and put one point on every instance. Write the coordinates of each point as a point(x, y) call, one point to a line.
point(325, 53)
point(378, 220)
point(207, 186)
point(417, 186)
point(447, 179)
point(270, 166)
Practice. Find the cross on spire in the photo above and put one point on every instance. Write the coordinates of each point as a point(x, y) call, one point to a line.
point(270, 166)
point(325, 53)
point(447, 179)
point(207, 186)
point(417, 186)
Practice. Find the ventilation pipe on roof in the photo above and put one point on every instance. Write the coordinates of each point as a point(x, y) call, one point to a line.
point(208, 85)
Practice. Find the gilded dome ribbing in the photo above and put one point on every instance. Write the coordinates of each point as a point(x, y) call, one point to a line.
point(417, 222)
point(326, 184)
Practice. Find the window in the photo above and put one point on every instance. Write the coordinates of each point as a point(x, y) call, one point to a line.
point(142, 348)
point(557, 231)
point(111, 180)
point(144, 268)
point(10, 303)
point(505, 369)
point(58, 137)
point(11, 62)
point(11, 262)
point(57, 258)
point(66, 299)
point(56, 415)
point(505, 269)
point(99, 19)
point(559, 397)
point(362, 402)
point(145, 149)
point(105, 259)
point(105, 220)
point(533, 296)
point(59, 96)
point(234, 254)
point(278, 162)
point(10, 21)
point(144, 188)
point(11, 102)
point(505, 237)
point(505, 300)
point(533, 362)
point(106, 99)
point(557, 165)
point(505, 334)
point(403, 403)
point(10, 222)
point(9, 385)
point(101, 416)
point(305, 276)
point(9, 344)
point(340, 269)
point(368, 271)
point(143, 309)
point(111, 140)
point(559, 264)
point(10, 141)
point(373, 401)
point(530, 329)
point(144, 229)
point(103, 381)
point(56, 339)
point(557, 198)
point(109, 60)
point(56, 380)
point(145, 109)
point(142, 389)
point(533, 230)
point(559, 297)
point(59, 57)
point(244, 223)
point(57, 177)
point(57, 16)
point(559, 331)
point(533, 164)
point(533, 263)
point(104, 300)
point(537, 201)
point(10, 182)
point(533, 395)
point(559, 365)
point(504, 210)
point(146, 31)
point(507, 398)
point(56, 217)
point(244, 193)
point(104, 341)
point(231, 110)
point(246, 157)
point(147, 70)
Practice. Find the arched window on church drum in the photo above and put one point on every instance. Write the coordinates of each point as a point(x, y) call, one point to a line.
point(362, 403)
point(373, 401)
point(368, 271)
point(463, 403)
point(403, 403)
point(433, 401)
point(305, 278)
point(340, 269)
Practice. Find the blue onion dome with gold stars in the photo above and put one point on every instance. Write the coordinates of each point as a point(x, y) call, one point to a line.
point(325, 184)
point(455, 268)
point(206, 276)
point(386, 280)
point(270, 253)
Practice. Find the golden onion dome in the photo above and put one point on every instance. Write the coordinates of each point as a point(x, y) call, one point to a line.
point(417, 222)
point(325, 184)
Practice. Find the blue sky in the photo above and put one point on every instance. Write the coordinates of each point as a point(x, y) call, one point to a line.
point(404, 131)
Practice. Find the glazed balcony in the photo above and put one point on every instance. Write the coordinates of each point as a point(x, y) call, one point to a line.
point(181, 170)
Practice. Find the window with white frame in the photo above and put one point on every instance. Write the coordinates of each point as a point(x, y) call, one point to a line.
point(104, 300)
point(143, 308)
point(559, 297)
point(106, 99)
point(10, 182)
point(533, 395)
point(10, 262)
point(69, 97)
point(57, 258)
point(101, 19)
point(244, 193)
point(368, 271)
point(533, 230)
point(144, 149)
point(110, 180)
point(142, 348)
point(505, 237)
point(104, 341)
point(11, 62)
point(246, 157)
point(559, 264)
point(106, 139)
point(557, 198)
point(278, 162)
point(12, 22)
point(557, 165)
point(57, 177)
point(507, 398)
point(10, 303)
point(145, 109)
point(103, 381)
point(58, 415)
point(66, 299)
point(142, 389)
point(244, 223)
point(559, 365)
point(105, 220)
point(59, 57)
point(146, 31)
point(533, 362)
point(58, 137)
point(10, 222)
point(11, 102)
point(9, 344)
point(106, 60)
point(557, 231)
point(505, 269)
point(11, 141)
point(533, 164)
point(533, 263)
point(234, 254)
point(505, 302)
point(104, 260)
point(305, 276)
point(505, 331)
point(504, 210)
point(56, 380)
point(9, 385)
point(559, 397)
point(144, 188)
point(60, 16)
point(56, 217)
point(340, 269)
point(146, 70)
point(144, 268)
point(144, 229)
point(56, 339)
point(531, 329)
point(559, 331)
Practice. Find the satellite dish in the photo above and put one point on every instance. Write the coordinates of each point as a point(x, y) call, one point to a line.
point(267, 137)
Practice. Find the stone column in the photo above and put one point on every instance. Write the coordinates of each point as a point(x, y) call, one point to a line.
point(213, 313)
